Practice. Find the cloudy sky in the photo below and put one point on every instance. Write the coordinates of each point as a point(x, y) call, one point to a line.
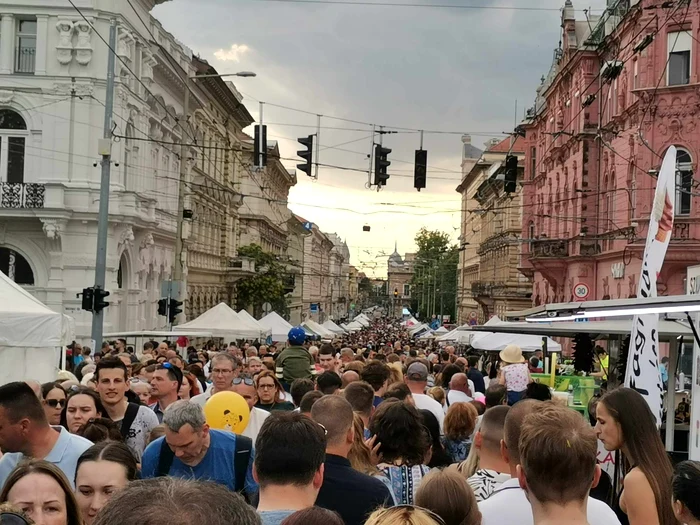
point(452, 70)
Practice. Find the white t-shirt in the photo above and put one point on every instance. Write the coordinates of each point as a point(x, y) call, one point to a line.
point(140, 430)
point(508, 505)
point(424, 402)
point(257, 418)
point(455, 396)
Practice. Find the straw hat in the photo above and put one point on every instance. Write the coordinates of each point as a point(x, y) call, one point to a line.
point(512, 354)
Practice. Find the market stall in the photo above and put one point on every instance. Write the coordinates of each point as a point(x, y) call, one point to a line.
point(221, 321)
point(330, 325)
point(278, 326)
point(253, 322)
point(317, 329)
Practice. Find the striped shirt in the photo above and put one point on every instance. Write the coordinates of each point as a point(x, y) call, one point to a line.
point(484, 482)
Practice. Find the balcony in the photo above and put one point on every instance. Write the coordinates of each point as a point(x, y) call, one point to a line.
point(239, 267)
point(549, 249)
point(19, 195)
point(25, 58)
point(481, 288)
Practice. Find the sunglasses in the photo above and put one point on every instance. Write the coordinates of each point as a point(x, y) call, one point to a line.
point(54, 403)
point(245, 380)
point(12, 518)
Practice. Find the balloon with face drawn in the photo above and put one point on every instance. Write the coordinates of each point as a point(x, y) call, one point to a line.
point(227, 411)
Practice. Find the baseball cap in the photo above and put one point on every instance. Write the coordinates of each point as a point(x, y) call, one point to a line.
point(417, 372)
point(297, 335)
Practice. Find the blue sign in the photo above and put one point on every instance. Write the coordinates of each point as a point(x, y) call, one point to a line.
point(314, 308)
point(308, 226)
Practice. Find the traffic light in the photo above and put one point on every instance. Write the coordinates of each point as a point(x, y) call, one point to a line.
point(381, 164)
point(162, 307)
point(511, 175)
point(396, 292)
point(88, 298)
point(260, 146)
point(174, 309)
point(307, 154)
point(100, 302)
point(421, 169)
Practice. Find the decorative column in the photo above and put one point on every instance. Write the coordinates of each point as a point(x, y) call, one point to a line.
point(42, 37)
point(7, 44)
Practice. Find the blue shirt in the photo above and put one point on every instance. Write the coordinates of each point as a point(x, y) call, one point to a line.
point(64, 455)
point(217, 464)
point(274, 517)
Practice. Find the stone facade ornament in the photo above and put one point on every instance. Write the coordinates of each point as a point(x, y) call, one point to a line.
point(6, 96)
point(126, 239)
point(53, 228)
point(83, 49)
point(64, 47)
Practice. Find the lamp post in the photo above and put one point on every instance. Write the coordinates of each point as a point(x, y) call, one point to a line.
point(179, 251)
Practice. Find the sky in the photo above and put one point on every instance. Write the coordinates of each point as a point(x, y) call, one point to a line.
point(439, 69)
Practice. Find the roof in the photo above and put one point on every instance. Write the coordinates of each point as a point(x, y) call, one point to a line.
point(471, 152)
point(504, 146)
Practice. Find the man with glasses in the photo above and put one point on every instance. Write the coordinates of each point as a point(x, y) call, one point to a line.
point(245, 387)
point(224, 368)
point(165, 385)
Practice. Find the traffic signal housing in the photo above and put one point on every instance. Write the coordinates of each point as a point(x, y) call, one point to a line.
point(381, 165)
point(100, 302)
point(174, 309)
point(511, 174)
point(421, 169)
point(260, 146)
point(162, 307)
point(396, 292)
point(306, 154)
point(88, 299)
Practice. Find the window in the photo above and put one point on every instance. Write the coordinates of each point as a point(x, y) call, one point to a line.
point(533, 162)
point(16, 267)
point(635, 82)
point(13, 134)
point(679, 45)
point(531, 235)
point(407, 290)
point(684, 182)
point(25, 48)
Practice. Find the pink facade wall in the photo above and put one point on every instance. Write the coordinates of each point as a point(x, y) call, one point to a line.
point(586, 207)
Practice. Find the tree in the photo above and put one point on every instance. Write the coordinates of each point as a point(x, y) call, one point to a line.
point(434, 282)
point(267, 286)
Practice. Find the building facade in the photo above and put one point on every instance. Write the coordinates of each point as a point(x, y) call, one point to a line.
point(317, 303)
point(399, 275)
point(339, 277)
point(296, 267)
point(620, 92)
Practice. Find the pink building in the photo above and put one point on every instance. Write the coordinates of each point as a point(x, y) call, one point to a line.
point(622, 86)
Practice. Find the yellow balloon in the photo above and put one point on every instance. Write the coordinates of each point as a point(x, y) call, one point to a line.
point(227, 411)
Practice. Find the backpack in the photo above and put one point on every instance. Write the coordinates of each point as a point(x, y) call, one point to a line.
point(132, 411)
point(241, 458)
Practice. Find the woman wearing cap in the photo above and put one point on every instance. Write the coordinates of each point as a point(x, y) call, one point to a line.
point(514, 373)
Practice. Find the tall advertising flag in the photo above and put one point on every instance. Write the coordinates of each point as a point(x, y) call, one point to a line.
point(643, 373)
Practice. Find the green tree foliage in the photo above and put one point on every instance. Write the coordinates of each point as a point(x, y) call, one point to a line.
point(434, 282)
point(268, 284)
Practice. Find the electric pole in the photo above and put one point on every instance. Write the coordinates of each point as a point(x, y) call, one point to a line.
point(105, 147)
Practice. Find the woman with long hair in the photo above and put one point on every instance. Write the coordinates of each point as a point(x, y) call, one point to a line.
point(404, 515)
point(41, 490)
point(54, 399)
point(447, 494)
point(270, 393)
point(459, 425)
point(625, 423)
point(102, 471)
point(439, 458)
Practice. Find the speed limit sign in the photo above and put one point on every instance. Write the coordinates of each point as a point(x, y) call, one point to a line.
point(581, 291)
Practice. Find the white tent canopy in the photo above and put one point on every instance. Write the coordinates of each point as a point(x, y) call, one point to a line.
point(353, 327)
point(277, 325)
point(252, 321)
point(221, 321)
point(460, 335)
point(31, 335)
point(496, 341)
point(362, 320)
point(330, 325)
point(318, 329)
point(441, 331)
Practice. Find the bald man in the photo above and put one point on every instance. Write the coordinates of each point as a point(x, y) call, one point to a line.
point(349, 377)
point(460, 391)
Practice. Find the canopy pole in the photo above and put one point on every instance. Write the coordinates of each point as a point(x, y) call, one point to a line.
point(671, 395)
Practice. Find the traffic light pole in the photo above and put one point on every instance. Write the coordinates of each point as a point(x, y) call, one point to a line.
point(318, 144)
point(103, 217)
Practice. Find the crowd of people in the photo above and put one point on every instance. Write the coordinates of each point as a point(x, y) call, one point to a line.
point(371, 428)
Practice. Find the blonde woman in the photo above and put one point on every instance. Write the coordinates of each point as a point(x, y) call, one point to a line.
point(404, 515)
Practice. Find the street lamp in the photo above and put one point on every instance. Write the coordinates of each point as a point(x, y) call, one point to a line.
point(177, 271)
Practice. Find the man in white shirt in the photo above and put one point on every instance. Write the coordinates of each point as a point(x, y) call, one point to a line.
point(556, 478)
point(492, 471)
point(460, 391)
point(417, 379)
point(224, 368)
point(508, 505)
point(245, 387)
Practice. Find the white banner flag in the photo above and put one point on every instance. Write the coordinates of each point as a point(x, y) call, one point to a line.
point(643, 360)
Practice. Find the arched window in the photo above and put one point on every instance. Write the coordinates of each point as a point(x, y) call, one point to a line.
point(531, 234)
point(684, 181)
point(13, 135)
point(16, 267)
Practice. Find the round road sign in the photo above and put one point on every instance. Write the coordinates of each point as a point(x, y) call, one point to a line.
point(581, 291)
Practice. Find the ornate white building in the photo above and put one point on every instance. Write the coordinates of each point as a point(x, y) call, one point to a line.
point(53, 70)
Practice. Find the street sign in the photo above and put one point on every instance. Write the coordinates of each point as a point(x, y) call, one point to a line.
point(581, 291)
point(313, 307)
point(472, 315)
point(308, 226)
point(266, 307)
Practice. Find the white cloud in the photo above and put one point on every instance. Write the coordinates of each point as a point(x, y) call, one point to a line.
point(233, 54)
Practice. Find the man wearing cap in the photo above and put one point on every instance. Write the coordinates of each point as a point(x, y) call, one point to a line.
point(417, 380)
point(295, 362)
